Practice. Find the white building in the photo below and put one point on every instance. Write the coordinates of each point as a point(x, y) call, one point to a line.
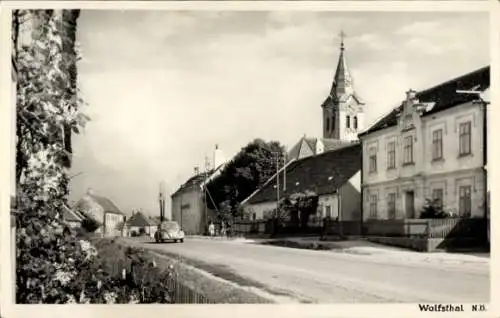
point(330, 175)
point(433, 146)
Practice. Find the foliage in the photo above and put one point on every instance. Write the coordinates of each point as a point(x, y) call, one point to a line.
point(53, 265)
point(248, 171)
point(433, 210)
point(302, 206)
point(90, 225)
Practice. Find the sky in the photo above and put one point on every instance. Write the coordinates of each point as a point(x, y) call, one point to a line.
point(163, 87)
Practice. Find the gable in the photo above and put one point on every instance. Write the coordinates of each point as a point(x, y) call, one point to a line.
point(443, 95)
point(139, 220)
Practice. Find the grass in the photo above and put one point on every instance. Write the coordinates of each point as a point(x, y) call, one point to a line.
point(218, 291)
point(226, 273)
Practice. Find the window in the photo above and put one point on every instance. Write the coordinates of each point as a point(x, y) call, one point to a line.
point(437, 195)
point(355, 122)
point(348, 121)
point(408, 150)
point(391, 206)
point(464, 138)
point(437, 144)
point(391, 155)
point(328, 211)
point(327, 124)
point(254, 216)
point(372, 163)
point(464, 205)
point(333, 123)
point(373, 206)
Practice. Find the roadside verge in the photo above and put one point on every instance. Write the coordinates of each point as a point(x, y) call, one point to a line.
point(218, 283)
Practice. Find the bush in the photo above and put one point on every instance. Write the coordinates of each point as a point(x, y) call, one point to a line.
point(53, 264)
point(90, 225)
point(433, 210)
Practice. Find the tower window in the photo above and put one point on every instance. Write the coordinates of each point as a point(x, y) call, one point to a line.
point(348, 121)
point(355, 122)
point(333, 122)
point(327, 124)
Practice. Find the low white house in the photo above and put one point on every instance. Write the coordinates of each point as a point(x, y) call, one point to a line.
point(102, 210)
point(138, 224)
point(72, 217)
point(335, 176)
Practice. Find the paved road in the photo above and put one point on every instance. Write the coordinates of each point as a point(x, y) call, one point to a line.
point(332, 277)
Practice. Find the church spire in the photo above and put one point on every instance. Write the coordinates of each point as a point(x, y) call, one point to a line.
point(342, 82)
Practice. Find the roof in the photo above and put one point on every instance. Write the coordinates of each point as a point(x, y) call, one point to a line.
point(330, 144)
point(107, 205)
point(72, 215)
point(342, 86)
point(443, 95)
point(322, 174)
point(140, 220)
point(194, 181)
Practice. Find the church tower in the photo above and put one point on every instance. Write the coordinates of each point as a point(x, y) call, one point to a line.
point(343, 110)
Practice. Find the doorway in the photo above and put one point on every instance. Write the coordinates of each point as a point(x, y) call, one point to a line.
point(410, 204)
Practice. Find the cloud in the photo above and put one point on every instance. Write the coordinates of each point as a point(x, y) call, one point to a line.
point(417, 28)
point(425, 46)
point(165, 87)
point(370, 41)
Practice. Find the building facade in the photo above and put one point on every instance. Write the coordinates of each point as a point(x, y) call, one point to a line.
point(139, 224)
point(188, 202)
point(104, 211)
point(433, 146)
point(334, 176)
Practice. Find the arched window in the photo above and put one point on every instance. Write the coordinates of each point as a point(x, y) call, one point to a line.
point(327, 124)
point(348, 121)
point(355, 122)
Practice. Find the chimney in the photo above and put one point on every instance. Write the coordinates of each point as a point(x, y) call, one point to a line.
point(196, 171)
point(90, 191)
point(218, 157)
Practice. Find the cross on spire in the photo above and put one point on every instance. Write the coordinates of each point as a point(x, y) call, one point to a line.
point(342, 36)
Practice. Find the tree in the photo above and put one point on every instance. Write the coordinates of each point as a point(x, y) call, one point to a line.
point(52, 264)
point(90, 225)
point(306, 204)
point(249, 170)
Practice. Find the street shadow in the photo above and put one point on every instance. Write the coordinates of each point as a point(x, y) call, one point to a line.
point(167, 242)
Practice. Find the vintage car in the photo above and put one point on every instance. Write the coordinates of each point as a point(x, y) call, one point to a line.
point(169, 231)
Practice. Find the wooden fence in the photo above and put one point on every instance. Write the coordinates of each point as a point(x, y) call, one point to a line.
point(181, 294)
point(421, 228)
point(426, 228)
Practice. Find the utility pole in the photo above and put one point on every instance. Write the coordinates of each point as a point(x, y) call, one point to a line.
point(277, 156)
point(162, 201)
point(181, 208)
point(207, 168)
point(285, 156)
